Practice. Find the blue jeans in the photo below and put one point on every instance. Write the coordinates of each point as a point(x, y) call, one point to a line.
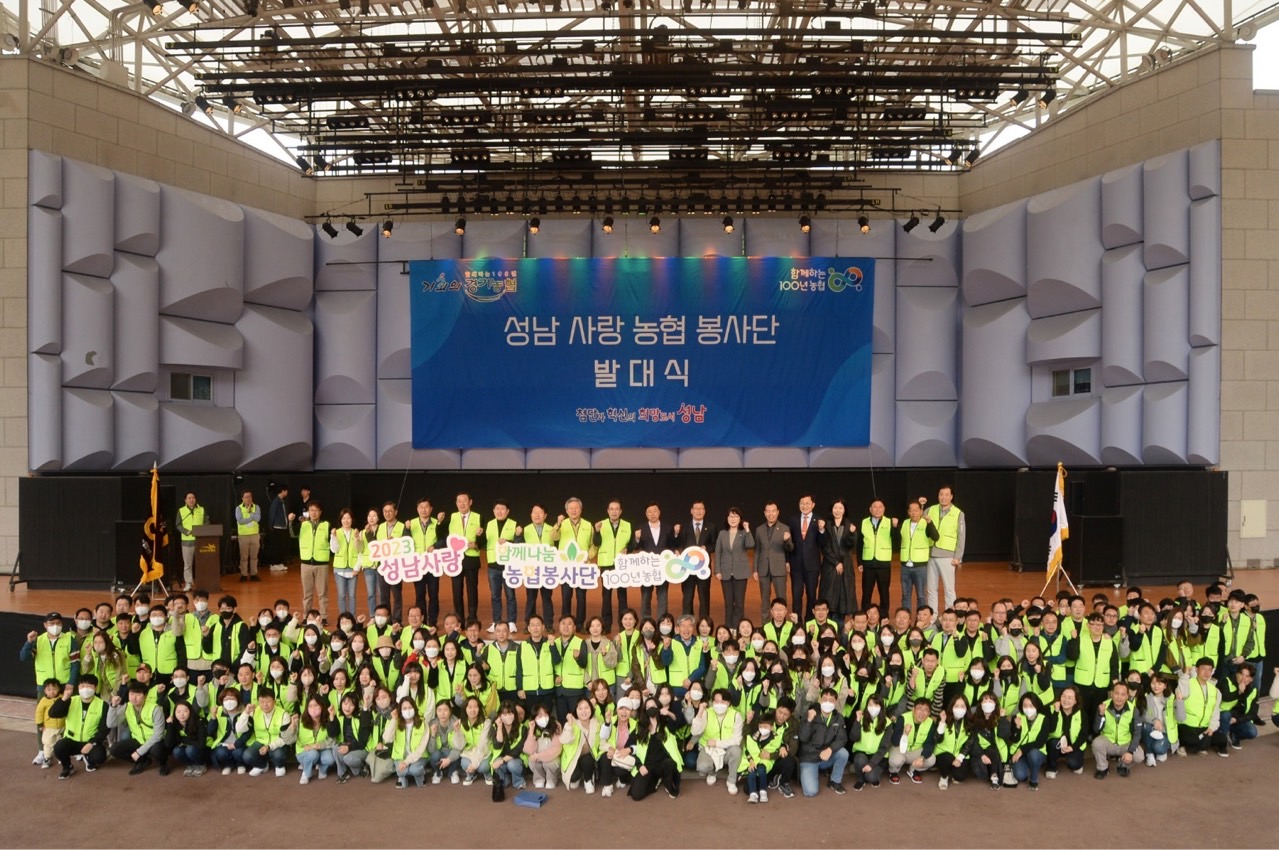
point(273, 758)
point(497, 586)
point(809, 770)
point(437, 757)
point(416, 770)
point(1028, 766)
point(757, 779)
point(1239, 729)
point(370, 589)
point(1154, 746)
point(511, 773)
point(346, 592)
point(915, 577)
point(484, 768)
point(310, 758)
point(193, 755)
point(222, 757)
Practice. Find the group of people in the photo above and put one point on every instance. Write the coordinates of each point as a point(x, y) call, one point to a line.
point(821, 555)
point(1010, 694)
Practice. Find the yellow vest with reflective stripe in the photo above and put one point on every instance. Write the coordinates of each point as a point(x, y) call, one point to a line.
point(191, 517)
point(947, 526)
point(244, 526)
point(347, 556)
point(313, 541)
point(877, 544)
point(81, 723)
point(915, 547)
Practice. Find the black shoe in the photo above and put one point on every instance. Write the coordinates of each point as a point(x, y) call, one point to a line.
point(874, 783)
point(857, 786)
point(1124, 771)
point(137, 768)
point(774, 782)
point(1034, 786)
point(90, 767)
point(66, 772)
point(837, 787)
point(784, 787)
point(1101, 774)
point(673, 793)
point(164, 770)
point(243, 579)
point(254, 578)
point(894, 779)
point(342, 780)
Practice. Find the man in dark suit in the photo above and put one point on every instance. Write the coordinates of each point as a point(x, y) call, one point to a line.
point(773, 545)
point(698, 532)
point(654, 536)
point(806, 559)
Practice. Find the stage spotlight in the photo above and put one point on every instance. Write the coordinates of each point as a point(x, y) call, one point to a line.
point(1047, 97)
point(863, 223)
point(607, 225)
point(728, 224)
point(805, 224)
point(387, 227)
point(937, 222)
point(459, 226)
point(354, 228)
point(655, 225)
point(328, 228)
point(971, 157)
point(305, 166)
point(911, 223)
point(534, 225)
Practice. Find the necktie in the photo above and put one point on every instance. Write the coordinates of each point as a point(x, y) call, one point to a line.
point(803, 526)
point(697, 529)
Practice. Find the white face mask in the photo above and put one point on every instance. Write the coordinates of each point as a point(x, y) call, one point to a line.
point(179, 683)
point(988, 707)
point(357, 648)
point(858, 645)
point(336, 646)
point(664, 699)
point(542, 722)
point(281, 614)
point(797, 639)
point(432, 651)
point(886, 640)
point(764, 734)
point(83, 625)
point(379, 621)
point(664, 628)
point(695, 695)
point(229, 705)
point(264, 621)
point(53, 630)
point(1176, 624)
point(407, 713)
point(86, 694)
point(312, 639)
point(730, 660)
point(977, 675)
point(140, 610)
point(757, 644)
point(201, 606)
point(1031, 713)
point(273, 642)
point(157, 621)
point(276, 673)
point(959, 712)
point(748, 676)
point(419, 644)
point(720, 708)
point(872, 710)
point(828, 671)
point(827, 706)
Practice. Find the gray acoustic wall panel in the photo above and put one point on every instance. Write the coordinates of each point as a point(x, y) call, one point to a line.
point(202, 345)
point(1164, 423)
point(44, 281)
point(395, 432)
point(137, 430)
point(136, 280)
point(557, 459)
point(489, 237)
point(1166, 210)
point(202, 257)
point(88, 332)
point(634, 458)
point(347, 261)
point(561, 237)
point(927, 354)
point(137, 215)
point(1064, 430)
point(44, 412)
point(88, 218)
point(279, 378)
point(88, 430)
point(758, 457)
point(1067, 338)
point(705, 237)
point(493, 459)
point(1064, 261)
point(345, 347)
point(1122, 332)
point(843, 238)
point(996, 380)
point(1166, 306)
point(926, 432)
point(416, 241)
point(279, 260)
point(44, 180)
point(710, 457)
point(929, 259)
point(1205, 272)
point(1205, 170)
point(1121, 425)
point(765, 237)
point(1203, 430)
point(196, 437)
point(1121, 207)
point(994, 260)
point(345, 436)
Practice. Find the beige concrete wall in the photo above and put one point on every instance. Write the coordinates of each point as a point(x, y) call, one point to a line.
point(59, 111)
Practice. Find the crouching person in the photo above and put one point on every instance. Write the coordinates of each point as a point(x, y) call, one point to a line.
point(271, 734)
point(146, 726)
point(1118, 733)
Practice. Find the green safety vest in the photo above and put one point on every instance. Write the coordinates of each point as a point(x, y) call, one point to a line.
point(193, 637)
point(781, 636)
point(1092, 667)
point(390, 530)
point(765, 754)
point(1076, 722)
point(1236, 637)
point(313, 541)
point(668, 743)
point(683, 662)
point(1117, 730)
point(915, 547)
point(947, 526)
point(245, 527)
point(502, 665)
point(190, 517)
point(931, 683)
point(952, 662)
point(494, 533)
point(919, 734)
point(405, 744)
point(224, 728)
point(82, 721)
point(470, 531)
point(446, 683)
point(140, 728)
point(572, 676)
point(612, 545)
point(307, 736)
point(159, 650)
point(1143, 658)
point(53, 659)
point(716, 726)
point(423, 538)
point(868, 742)
point(347, 557)
point(1029, 731)
point(583, 535)
point(877, 544)
point(1201, 708)
point(537, 666)
point(955, 739)
point(266, 729)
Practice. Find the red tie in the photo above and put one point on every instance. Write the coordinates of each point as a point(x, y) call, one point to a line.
point(803, 526)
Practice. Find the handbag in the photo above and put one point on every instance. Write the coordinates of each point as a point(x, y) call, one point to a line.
point(530, 799)
point(626, 763)
point(499, 789)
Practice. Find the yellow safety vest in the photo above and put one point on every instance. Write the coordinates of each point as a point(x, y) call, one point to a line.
point(313, 541)
point(81, 723)
point(612, 545)
point(190, 517)
point(915, 547)
point(404, 744)
point(245, 526)
point(423, 538)
point(877, 544)
point(493, 533)
point(947, 526)
point(347, 556)
point(469, 531)
point(53, 659)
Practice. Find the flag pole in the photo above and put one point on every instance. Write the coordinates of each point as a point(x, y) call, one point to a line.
point(1060, 533)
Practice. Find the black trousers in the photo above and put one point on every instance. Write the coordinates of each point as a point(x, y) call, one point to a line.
point(467, 605)
point(606, 607)
point(548, 605)
point(578, 612)
point(804, 591)
point(65, 748)
point(875, 576)
point(426, 591)
point(734, 600)
point(701, 588)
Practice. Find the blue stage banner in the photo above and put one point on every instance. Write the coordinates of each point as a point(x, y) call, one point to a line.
point(668, 352)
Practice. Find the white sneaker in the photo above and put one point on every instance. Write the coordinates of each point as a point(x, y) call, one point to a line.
point(589, 786)
point(492, 628)
point(606, 791)
point(1051, 774)
point(1078, 772)
point(470, 779)
point(511, 627)
point(304, 780)
point(732, 787)
point(257, 771)
point(753, 798)
point(241, 770)
point(550, 785)
point(280, 771)
point(454, 778)
point(943, 783)
point(539, 783)
point(710, 778)
point(226, 771)
point(572, 785)
point(763, 795)
point(1150, 759)
point(437, 778)
point(1161, 758)
point(39, 759)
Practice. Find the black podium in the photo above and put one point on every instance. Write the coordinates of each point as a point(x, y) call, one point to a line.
point(208, 557)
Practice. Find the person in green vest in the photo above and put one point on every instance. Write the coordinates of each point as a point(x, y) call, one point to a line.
point(466, 523)
point(613, 537)
point(568, 653)
point(1068, 732)
point(1118, 735)
point(572, 529)
point(1028, 741)
point(406, 737)
point(272, 733)
point(500, 527)
point(1239, 707)
point(1096, 659)
point(248, 535)
point(1158, 719)
point(190, 515)
point(580, 743)
point(947, 554)
point(657, 759)
point(56, 655)
point(1198, 711)
point(508, 747)
point(145, 725)
point(226, 745)
point(159, 645)
point(535, 669)
point(759, 752)
point(85, 733)
point(718, 733)
point(913, 538)
point(875, 557)
point(314, 541)
point(869, 737)
point(1239, 633)
point(914, 742)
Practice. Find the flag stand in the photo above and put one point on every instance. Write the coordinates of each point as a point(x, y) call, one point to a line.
point(1056, 576)
point(1060, 534)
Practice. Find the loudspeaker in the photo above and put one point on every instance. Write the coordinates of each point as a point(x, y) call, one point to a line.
point(1094, 551)
point(1031, 526)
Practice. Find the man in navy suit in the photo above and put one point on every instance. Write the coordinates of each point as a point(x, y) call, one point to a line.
point(698, 532)
point(806, 559)
point(654, 536)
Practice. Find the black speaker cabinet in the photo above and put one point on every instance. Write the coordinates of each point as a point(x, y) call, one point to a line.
point(1094, 551)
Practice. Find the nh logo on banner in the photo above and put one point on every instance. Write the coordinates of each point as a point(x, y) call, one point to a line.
point(669, 352)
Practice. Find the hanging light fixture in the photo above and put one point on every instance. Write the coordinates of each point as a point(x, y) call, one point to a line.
point(387, 227)
point(728, 224)
point(911, 223)
point(607, 224)
point(534, 225)
point(805, 224)
point(863, 223)
point(459, 226)
point(655, 225)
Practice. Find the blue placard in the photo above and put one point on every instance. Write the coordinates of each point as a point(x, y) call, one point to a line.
point(666, 352)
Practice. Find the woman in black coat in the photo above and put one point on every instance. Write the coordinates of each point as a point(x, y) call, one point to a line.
point(836, 583)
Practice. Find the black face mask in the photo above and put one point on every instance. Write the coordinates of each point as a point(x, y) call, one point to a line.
point(776, 678)
point(1015, 632)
